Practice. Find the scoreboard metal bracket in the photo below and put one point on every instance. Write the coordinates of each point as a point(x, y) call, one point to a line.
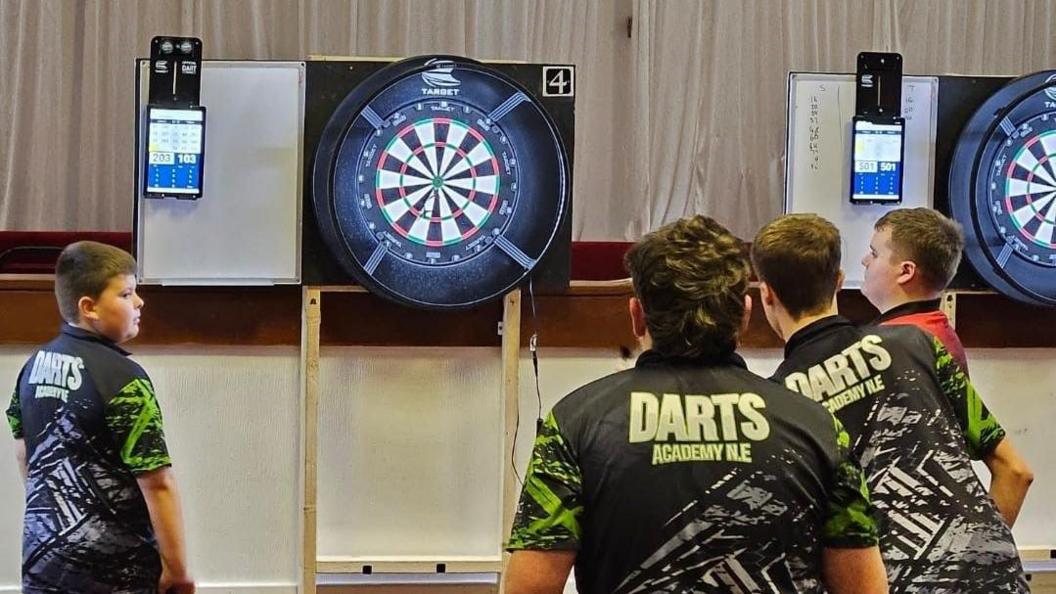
point(175, 71)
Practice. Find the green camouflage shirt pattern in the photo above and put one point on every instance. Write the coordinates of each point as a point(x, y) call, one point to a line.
point(548, 515)
point(134, 419)
point(91, 424)
point(982, 432)
point(703, 513)
point(916, 423)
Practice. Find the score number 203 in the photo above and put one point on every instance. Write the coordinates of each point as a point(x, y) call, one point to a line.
point(159, 158)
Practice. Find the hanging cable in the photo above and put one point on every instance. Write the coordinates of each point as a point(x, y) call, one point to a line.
point(533, 348)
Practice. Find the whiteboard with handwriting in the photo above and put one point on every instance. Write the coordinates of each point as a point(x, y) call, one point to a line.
point(818, 156)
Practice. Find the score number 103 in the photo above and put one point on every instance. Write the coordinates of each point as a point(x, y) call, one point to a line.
point(159, 158)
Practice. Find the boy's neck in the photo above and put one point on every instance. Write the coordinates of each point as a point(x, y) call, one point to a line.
point(904, 297)
point(645, 342)
point(86, 327)
point(790, 326)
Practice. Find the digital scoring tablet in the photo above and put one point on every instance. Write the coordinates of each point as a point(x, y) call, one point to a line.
point(175, 152)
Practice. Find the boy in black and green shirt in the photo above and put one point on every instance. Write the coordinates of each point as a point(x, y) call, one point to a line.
point(915, 421)
point(100, 497)
point(688, 473)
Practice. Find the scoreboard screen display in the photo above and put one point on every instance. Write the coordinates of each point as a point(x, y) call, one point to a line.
point(175, 152)
point(876, 161)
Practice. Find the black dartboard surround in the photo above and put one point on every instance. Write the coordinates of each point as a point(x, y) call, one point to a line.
point(439, 182)
point(1002, 189)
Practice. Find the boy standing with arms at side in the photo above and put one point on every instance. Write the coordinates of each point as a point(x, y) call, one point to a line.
point(913, 255)
point(914, 419)
point(101, 499)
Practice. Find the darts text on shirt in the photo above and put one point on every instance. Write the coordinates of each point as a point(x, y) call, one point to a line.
point(55, 374)
point(698, 428)
point(846, 377)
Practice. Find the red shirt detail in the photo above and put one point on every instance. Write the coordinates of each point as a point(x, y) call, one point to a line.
point(938, 325)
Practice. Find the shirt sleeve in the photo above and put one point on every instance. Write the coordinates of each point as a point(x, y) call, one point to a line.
point(850, 519)
point(14, 415)
point(551, 501)
point(134, 420)
point(981, 430)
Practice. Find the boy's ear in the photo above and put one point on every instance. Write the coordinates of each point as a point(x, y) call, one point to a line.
point(907, 271)
point(746, 320)
point(86, 307)
point(765, 294)
point(637, 312)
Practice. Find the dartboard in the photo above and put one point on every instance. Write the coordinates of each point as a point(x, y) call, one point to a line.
point(440, 183)
point(1003, 189)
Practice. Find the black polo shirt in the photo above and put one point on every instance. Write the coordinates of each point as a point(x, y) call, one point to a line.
point(916, 423)
point(692, 476)
point(91, 423)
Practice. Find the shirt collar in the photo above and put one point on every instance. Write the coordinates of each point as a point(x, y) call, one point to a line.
point(913, 307)
point(813, 330)
point(653, 358)
point(82, 334)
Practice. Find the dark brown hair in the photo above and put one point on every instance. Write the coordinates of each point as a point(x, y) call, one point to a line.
point(927, 238)
point(691, 277)
point(798, 256)
point(84, 269)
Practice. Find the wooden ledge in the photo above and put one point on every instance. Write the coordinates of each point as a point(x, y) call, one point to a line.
point(592, 314)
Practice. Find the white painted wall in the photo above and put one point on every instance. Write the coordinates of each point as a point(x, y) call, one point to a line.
point(411, 454)
point(1019, 387)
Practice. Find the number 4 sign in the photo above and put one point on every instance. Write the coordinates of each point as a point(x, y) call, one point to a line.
point(559, 81)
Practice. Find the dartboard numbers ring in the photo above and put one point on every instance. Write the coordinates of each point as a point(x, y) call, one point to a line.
point(1003, 189)
point(440, 182)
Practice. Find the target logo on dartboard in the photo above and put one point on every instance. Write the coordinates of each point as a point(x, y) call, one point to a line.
point(440, 182)
point(1003, 189)
point(1051, 91)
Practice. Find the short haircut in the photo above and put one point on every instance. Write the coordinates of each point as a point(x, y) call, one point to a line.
point(927, 238)
point(84, 269)
point(691, 277)
point(798, 256)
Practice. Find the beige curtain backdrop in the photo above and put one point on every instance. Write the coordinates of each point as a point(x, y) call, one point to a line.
point(684, 115)
point(710, 86)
